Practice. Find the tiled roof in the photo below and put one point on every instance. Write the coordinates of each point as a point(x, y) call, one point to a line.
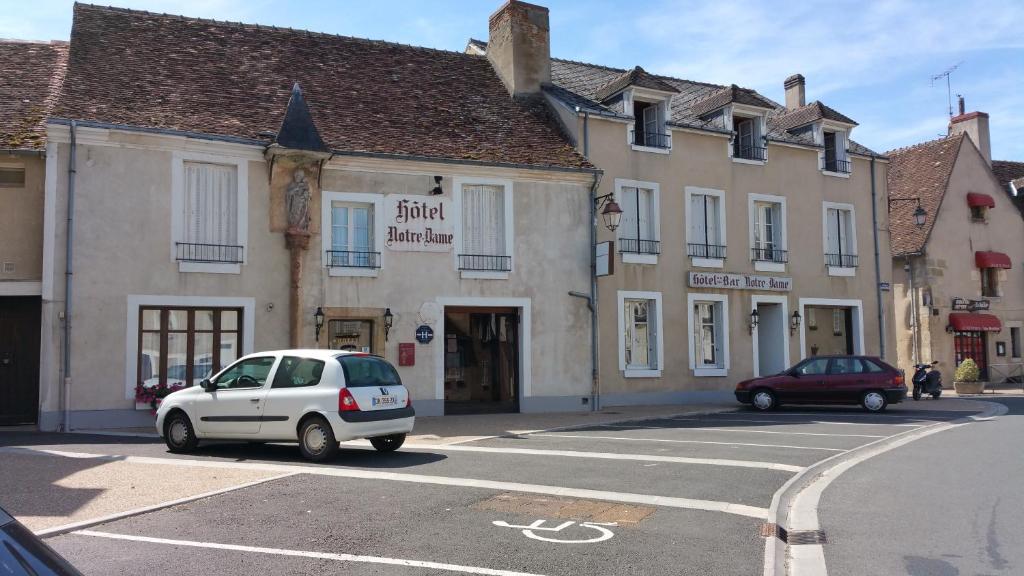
point(812, 112)
point(919, 171)
point(30, 77)
point(1009, 172)
point(636, 77)
point(730, 95)
point(580, 84)
point(219, 78)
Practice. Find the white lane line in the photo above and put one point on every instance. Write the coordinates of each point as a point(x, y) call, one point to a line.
point(615, 456)
point(849, 415)
point(702, 429)
point(622, 438)
point(792, 423)
point(306, 554)
point(583, 493)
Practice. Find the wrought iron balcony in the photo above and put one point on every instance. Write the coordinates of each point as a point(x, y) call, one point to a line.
point(352, 259)
point(841, 260)
point(208, 253)
point(705, 251)
point(835, 165)
point(749, 152)
point(485, 262)
point(634, 246)
point(769, 255)
point(650, 139)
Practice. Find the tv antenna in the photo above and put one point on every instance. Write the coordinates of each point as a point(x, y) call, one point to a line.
point(949, 91)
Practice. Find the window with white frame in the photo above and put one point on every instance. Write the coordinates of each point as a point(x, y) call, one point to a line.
point(638, 230)
point(840, 237)
point(484, 235)
point(352, 236)
point(748, 143)
point(705, 225)
point(640, 336)
point(210, 214)
point(768, 232)
point(709, 334)
point(649, 128)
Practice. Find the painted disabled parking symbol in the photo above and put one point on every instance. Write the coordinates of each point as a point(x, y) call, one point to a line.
point(530, 531)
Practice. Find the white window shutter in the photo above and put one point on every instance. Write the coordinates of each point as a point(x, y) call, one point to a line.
point(847, 236)
point(651, 122)
point(697, 230)
point(833, 232)
point(628, 224)
point(712, 221)
point(758, 222)
point(643, 213)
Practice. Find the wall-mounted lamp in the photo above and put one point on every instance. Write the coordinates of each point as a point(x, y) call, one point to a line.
point(794, 322)
point(437, 190)
point(755, 319)
point(389, 321)
point(318, 321)
point(920, 214)
point(611, 212)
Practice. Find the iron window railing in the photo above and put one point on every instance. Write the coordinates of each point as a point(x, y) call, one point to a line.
point(634, 246)
point(750, 152)
point(651, 139)
point(352, 259)
point(769, 255)
point(485, 262)
point(705, 251)
point(841, 260)
point(208, 253)
point(835, 165)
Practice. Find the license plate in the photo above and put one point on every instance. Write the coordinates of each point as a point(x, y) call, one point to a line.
point(385, 400)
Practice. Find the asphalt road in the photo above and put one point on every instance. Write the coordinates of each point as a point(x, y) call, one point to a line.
point(945, 505)
point(679, 496)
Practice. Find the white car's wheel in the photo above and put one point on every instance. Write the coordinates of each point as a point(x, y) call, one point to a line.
point(179, 435)
point(316, 439)
point(874, 401)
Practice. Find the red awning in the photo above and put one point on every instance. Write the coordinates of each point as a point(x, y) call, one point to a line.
point(992, 260)
point(968, 322)
point(977, 199)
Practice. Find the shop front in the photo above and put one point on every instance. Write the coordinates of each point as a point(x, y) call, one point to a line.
point(970, 332)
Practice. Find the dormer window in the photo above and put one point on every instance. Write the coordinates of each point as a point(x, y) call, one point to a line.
point(835, 159)
point(649, 128)
point(748, 141)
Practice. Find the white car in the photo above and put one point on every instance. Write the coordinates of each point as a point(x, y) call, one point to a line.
point(317, 397)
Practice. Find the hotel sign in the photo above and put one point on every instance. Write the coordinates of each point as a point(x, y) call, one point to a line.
point(416, 223)
point(739, 281)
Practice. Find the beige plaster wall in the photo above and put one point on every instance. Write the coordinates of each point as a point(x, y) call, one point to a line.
point(699, 159)
point(551, 257)
point(21, 220)
point(948, 269)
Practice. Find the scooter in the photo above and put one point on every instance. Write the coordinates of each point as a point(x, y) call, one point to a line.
point(927, 380)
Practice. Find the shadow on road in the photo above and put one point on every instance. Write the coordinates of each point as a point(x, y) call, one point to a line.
point(289, 454)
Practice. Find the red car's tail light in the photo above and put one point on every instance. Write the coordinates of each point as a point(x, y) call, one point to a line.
point(898, 380)
point(346, 403)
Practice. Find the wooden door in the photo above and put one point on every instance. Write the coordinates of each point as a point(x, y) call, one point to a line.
point(19, 359)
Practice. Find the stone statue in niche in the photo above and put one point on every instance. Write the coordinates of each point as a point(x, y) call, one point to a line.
point(297, 201)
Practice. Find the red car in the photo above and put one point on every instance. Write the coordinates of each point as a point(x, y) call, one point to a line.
point(863, 380)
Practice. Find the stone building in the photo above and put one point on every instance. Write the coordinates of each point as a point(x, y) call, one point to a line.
point(238, 188)
point(749, 238)
point(957, 281)
point(32, 75)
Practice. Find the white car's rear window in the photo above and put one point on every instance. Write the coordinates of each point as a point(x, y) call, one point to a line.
point(368, 371)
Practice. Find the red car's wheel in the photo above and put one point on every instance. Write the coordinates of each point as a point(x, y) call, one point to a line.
point(763, 399)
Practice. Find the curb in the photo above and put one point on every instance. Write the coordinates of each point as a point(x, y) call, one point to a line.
point(811, 560)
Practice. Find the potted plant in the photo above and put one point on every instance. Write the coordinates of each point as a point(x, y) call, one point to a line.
point(150, 397)
point(966, 380)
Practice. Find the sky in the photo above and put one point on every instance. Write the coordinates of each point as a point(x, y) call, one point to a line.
point(873, 61)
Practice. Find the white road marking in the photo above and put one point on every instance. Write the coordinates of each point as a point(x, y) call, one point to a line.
point(752, 421)
point(306, 554)
point(614, 456)
point(582, 493)
point(702, 429)
point(538, 525)
point(626, 439)
point(854, 415)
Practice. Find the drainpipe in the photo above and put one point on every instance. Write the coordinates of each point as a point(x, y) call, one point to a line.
point(595, 390)
point(69, 233)
point(878, 266)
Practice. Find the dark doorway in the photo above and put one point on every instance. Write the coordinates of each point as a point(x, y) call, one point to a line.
point(19, 359)
point(481, 360)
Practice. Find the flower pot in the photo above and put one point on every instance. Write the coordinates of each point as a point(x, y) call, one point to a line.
point(969, 387)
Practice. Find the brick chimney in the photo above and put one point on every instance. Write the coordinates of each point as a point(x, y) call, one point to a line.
point(975, 125)
point(796, 91)
point(519, 47)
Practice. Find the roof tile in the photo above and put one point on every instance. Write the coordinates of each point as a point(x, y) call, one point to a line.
point(919, 171)
point(32, 73)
